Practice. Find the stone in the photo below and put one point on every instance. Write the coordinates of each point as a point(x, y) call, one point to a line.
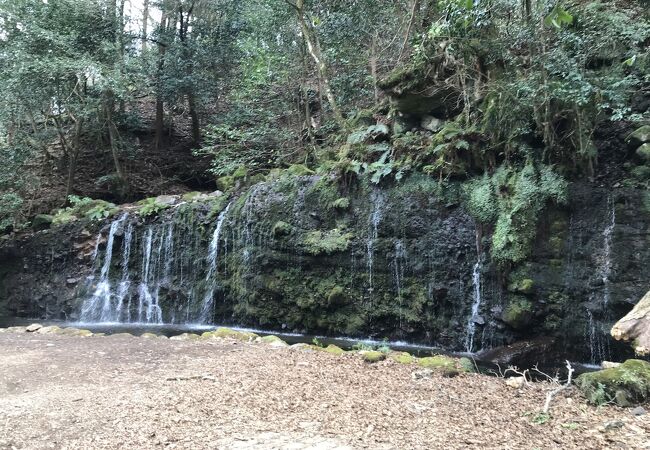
point(148, 335)
point(168, 200)
point(53, 329)
point(638, 411)
point(518, 313)
point(626, 384)
point(33, 327)
point(16, 329)
point(185, 337)
point(635, 327)
point(609, 364)
point(334, 350)
point(273, 341)
point(42, 221)
point(422, 374)
point(402, 357)
point(516, 382)
point(71, 281)
point(643, 152)
point(227, 333)
point(372, 356)
point(431, 123)
point(639, 136)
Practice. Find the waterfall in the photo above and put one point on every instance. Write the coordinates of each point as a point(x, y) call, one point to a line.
point(399, 261)
point(476, 295)
point(212, 260)
point(377, 200)
point(596, 330)
point(99, 306)
point(149, 310)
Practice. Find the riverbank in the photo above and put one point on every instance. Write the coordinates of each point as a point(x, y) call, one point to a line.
point(59, 391)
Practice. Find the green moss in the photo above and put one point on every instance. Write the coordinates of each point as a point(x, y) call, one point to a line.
point(299, 170)
point(518, 313)
point(402, 357)
point(148, 335)
point(626, 384)
point(524, 286)
point(467, 365)
point(240, 172)
point(639, 136)
point(281, 229)
point(643, 152)
point(336, 296)
point(273, 340)
point(326, 243)
point(341, 203)
point(437, 362)
point(373, 356)
point(641, 173)
point(190, 196)
point(225, 183)
point(334, 350)
point(227, 333)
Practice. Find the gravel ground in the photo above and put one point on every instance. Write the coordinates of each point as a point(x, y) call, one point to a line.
point(73, 392)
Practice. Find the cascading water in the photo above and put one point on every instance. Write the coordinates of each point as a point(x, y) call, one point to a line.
point(212, 260)
point(377, 200)
point(596, 329)
point(165, 277)
point(99, 306)
point(477, 299)
point(399, 263)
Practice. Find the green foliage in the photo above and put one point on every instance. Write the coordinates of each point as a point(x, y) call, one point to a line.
point(327, 242)
point(84, 207)
point(10, 204)
point(150, 207)
point(512, 200)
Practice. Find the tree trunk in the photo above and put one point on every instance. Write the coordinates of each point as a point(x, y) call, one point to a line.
point(414, 8)
point(373, 67)
point(73, 157)
point(313, 47)
point(160, 107)
point(145, 27)
point(113, 138)
point(196, 126)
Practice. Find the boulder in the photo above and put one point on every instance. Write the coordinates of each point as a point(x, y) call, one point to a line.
point(33, 327)
point(168, 200)
point(42, 222)
point(431, 123)
point(639, 137)
point(372, 356)
point(643, 152)
point(635, 327)
point(273, 341)
point(625, 385)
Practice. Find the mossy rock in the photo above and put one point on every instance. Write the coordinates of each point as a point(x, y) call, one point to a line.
point(643, 152)
point(467, 365)
point(326, 242)
point(373, 356)
point(225, 183)
point(240, 172)
point(227, 333)
point(437, 362)
point(299, 170)
point(639, 137)
point(524, 286)
point(518, 313)
point(625, 385)
point(403, 357)
point(149, 336)
point(186, 337)
point(274, 341)
point(281, 229)
point(42, 221)
point(334, 350)
point(121, 335)
point(641, 173)
point(336, 296)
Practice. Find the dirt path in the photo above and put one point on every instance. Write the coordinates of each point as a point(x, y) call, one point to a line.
point(122, 392)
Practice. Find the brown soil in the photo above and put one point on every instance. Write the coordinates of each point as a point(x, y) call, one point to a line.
point(124, 392)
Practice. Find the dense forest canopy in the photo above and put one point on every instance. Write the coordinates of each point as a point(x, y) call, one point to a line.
point(121, 100)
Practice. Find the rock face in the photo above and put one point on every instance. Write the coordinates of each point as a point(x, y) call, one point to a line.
point(635, 327)
point(309, 254)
